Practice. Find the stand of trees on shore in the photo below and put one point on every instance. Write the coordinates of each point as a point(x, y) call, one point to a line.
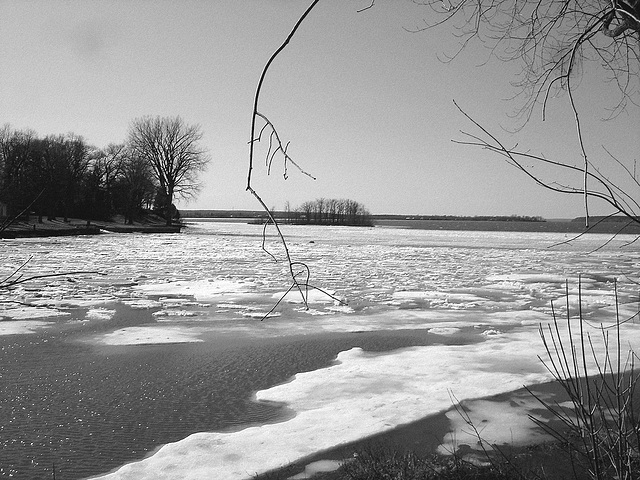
point(328, 211)
point(63, 176)
point(322, 211)
point(290, 216)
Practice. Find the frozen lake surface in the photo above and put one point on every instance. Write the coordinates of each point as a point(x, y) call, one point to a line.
point(165, 345)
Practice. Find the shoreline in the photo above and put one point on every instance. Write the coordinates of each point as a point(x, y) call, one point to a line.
point(246, 446)
point(423, 437)
point(74, 227)
point(568, 227)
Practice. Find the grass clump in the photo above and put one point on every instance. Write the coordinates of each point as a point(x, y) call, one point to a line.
point(596, 369)
point(384, 464)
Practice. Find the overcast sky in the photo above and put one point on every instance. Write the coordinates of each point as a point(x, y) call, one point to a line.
point(367, 105)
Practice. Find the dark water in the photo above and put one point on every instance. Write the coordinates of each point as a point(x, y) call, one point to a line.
point(87, 409)
point(610, 227)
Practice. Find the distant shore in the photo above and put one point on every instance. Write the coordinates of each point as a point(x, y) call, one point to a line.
point(152, 224)
point(33, 228)
point(573, 227)
point(576, 226)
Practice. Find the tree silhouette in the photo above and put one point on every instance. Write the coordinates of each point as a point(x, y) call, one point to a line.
point(172, 149)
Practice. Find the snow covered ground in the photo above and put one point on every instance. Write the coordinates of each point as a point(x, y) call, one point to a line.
point(493, 288)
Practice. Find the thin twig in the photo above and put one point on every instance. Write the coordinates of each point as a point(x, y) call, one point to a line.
point(276, 146)
point(48, 275)
point(256, 98)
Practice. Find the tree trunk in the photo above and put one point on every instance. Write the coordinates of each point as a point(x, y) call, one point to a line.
point(169, 210)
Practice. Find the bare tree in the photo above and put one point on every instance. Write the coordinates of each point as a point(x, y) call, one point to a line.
point(172, 149)
point(108, 163)
point(551, 38)
point(105, 169)
point(77, 154)
point(136, 186)
point(57, 165)
point(16, 189)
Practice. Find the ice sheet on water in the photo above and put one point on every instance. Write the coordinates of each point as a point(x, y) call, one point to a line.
point(317, 467)
point(361, 394)
point(496, 423)
point(491, 332)
point(222, 263)
point(181, 303)
point(21, 327)
point(365, 393)
point(345, 309)
point(100, 314)
point(443, 282)
point(142, 304)
point(174, 313)
point(26, 312)
point(202, 290)
point(433, 299)
point(311, 296)
point(530, 278)
point(156, 334)
point(312, 311)
point(231, 306)
point(444, 330)
point(383, 274)
point(261, 315)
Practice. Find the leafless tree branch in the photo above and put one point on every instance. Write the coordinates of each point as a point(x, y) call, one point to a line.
point(367, 7)
point(275, 147)
point(17, 278)
point(271, 152)
point(552, 39)
point(603, 188)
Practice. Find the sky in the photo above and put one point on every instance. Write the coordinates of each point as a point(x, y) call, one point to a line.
point(366, 104)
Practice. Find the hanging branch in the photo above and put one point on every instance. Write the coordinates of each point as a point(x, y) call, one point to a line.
point(572, 60)
point(256, 99)
point(271, 152)
point(367, 7)
point(16, 277)
point(276, 147)
point(603, 188)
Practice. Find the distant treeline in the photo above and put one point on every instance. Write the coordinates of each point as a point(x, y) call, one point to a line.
point(613, 218)
point(329, 211)
point(64, 176)
point(225, 213)
point(283, 215)
point(322, 211)
point(480, 218)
